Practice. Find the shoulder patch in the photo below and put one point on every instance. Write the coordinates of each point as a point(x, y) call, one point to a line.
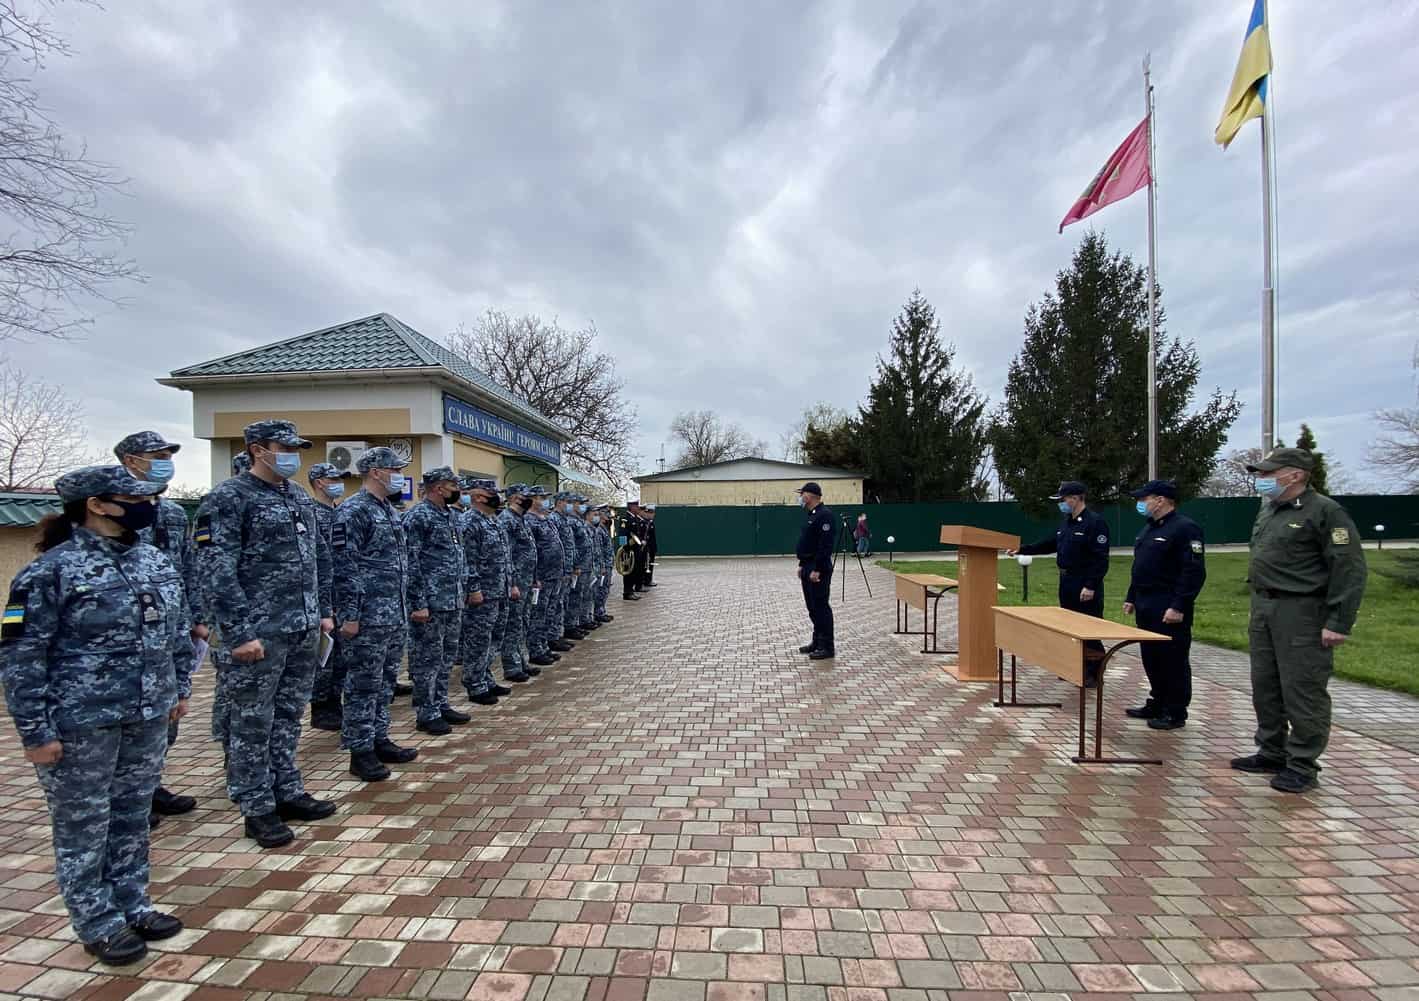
point(337, 535)
point(202, 531)
point(12, 625)
point(827, 526)
point(1103, 539)
point(1197, 545)
point(1340, 536)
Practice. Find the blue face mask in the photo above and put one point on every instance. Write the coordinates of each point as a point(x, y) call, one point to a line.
point(1142, 509)
point(160, 470)
point(465, 500)
point(582, 508)
point(545, 505)
point(333, 490)
point(286, 464)
point(802, 501)
point(396, 483)
point(1268, 487)
point(1064, 508)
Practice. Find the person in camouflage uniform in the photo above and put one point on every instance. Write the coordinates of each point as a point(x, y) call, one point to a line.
point(579, 615)
point(563, 514)
point(268, 590)
point(489, 588)
point(221, 705)
point(547, 580)
point(371, 571)
point(327, 486)
point(523, 558)
point(96, 659)
point(605, 560)
point(147, 455)
point(438, 589)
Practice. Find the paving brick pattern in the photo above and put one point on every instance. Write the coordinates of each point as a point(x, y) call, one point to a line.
point(687, 810)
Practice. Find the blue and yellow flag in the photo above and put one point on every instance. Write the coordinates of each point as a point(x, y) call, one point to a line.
point(1246, 98)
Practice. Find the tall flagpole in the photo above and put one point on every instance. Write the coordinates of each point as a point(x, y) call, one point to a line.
point(1153, 278)
point(1268, 289)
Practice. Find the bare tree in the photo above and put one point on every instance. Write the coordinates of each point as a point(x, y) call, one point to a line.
point(705, 439)
point(819, 415)
point(61, 246)
point(1230, 477)
point(1395, 449)
point(42, 431)
point(561, 373)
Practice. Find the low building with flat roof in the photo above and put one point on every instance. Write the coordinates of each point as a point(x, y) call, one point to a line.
point(750, 481)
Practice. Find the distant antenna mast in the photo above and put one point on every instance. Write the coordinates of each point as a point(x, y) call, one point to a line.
point(662, 456)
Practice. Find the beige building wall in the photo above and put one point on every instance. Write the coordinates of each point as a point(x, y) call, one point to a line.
point(16, 550)
point(710, 493)
point(477, 459)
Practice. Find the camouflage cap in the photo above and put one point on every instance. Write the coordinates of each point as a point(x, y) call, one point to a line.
point(101, 481)
point(241, 462)
point(380, 457)
point(327, 471)
point(1284, 458)
point(274, 429)
point(144, 441)
point(536, 490)
point(516, 489)
point(440, 474)
point(560, 496)
point(477, 484)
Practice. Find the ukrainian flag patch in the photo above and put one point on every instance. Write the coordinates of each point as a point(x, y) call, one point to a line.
point(12, 623)
point(202, 531)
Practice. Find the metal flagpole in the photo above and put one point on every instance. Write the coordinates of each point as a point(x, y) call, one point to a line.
point(1152, 278)
point(1268, 289)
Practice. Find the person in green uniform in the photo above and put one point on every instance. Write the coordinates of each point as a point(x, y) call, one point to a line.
point(1307, 575)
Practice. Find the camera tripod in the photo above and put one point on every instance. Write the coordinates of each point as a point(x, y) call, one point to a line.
point(840, 551)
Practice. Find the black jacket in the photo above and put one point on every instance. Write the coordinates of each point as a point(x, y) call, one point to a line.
point(816, 541)
point(1081, 548)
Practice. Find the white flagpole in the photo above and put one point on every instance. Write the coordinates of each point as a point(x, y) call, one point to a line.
point(1268, 289)
point(1152, 279)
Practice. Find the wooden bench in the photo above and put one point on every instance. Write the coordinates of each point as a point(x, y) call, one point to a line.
point(1054, 638)
point(917, 590)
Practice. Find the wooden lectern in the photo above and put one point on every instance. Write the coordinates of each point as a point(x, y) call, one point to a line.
point(977, 596)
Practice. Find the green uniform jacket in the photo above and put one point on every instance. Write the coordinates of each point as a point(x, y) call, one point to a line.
point(1310, 546)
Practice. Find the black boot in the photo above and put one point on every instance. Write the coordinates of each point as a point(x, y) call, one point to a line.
point(391, 753)
point(328, 716)
point(269, 830)
point(437, 726)
point(484, 699)
point(154, 926)
point(561, 646)
point(541, 660)
point(170, 804)
point(455, 717)
point(402, 690)
point(119, 949)
point(823, 653)
point(810, 646)
point(305, 807)
point(366, 766)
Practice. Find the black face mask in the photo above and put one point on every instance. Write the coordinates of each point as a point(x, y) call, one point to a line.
point(495, 502)
point(136, 516)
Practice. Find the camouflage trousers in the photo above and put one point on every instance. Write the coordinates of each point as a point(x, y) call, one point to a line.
point(268, 698)
point(539, 616)
point(483, 627)
point(221, 704)
point(99, 795)
point(586, 599)
point(571, 602)
point(330, 677)
point(372, 659)
point(433, 649)
point(603, 591)
point(514, 645)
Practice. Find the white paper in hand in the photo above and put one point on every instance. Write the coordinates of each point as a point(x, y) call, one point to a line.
point(326, 645)
point(199, 654)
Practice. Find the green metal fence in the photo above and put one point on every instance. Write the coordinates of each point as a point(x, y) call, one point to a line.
point(773, 530)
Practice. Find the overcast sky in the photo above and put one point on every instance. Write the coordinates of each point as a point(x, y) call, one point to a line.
point(740, 196)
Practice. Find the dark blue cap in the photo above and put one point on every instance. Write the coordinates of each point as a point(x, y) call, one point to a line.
point(1070, 488)
point(1158, 488)
point(103, 481)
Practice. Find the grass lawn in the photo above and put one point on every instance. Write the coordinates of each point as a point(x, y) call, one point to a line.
point(1382, 651)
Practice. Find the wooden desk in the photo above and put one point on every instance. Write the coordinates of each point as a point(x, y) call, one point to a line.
point(1054, 638)
point(917, 590)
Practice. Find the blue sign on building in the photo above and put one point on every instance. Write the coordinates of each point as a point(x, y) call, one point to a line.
point(467, 420)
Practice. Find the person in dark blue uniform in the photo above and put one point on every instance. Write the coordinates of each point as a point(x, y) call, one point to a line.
point(1081, 548)
point(815, 570)
point(1168, 574)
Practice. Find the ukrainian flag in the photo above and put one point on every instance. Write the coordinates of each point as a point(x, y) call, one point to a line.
point(1246, 99)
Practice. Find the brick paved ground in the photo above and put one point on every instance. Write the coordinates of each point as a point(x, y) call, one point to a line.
point(687, 809)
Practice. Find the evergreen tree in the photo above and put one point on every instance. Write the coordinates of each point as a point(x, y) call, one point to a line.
point(1076, 399)
point(1307, 440)
point(836, 444)
point(923, 430)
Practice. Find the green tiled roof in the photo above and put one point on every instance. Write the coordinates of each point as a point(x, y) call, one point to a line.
point(24, 510)
point(374, 342)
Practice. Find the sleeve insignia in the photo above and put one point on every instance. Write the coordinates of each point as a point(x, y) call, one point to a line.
point(1197, 546)
point(1340, 536)
point(13, 623)
point(1103, 539)
point(202, 532)
point(337, 535)
point(827, 526)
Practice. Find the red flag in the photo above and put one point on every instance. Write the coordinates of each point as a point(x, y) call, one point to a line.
point(1124, 173)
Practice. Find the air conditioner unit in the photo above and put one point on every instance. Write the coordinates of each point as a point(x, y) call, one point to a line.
point(344, 454)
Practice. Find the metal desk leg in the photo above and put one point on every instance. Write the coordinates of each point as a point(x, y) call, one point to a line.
point(1014, 702)
point(1098, 756)
point(935, 598)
